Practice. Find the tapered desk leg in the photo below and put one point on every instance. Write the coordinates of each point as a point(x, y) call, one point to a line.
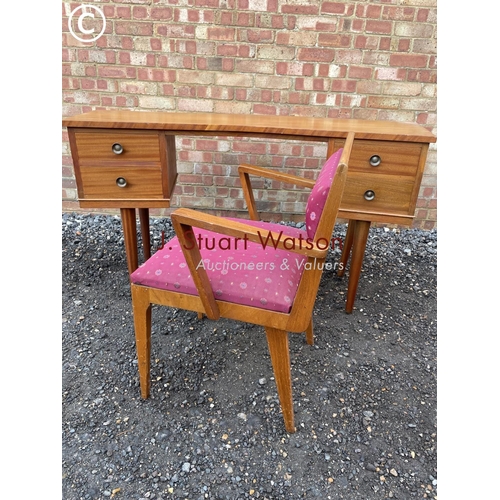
point(146, 239)
point(360, 237)
point(130, 236)
point(346, 249)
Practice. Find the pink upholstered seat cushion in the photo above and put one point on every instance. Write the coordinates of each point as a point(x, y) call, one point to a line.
point(319, 193)
point(253, 274)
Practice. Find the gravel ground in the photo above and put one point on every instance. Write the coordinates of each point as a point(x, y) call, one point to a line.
point(365, 393)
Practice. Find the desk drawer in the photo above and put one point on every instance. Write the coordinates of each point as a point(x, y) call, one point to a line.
point(378, 193)
point(121, 182)
point(119, 146)
point(383, 157)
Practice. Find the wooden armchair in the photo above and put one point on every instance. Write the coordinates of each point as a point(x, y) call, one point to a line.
point(246, 270)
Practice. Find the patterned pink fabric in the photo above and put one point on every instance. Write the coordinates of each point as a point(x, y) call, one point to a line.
point(317, 198)
point(259, 276)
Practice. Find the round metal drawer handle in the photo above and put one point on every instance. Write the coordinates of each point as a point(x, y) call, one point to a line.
point(375, 160)
point(117, 148)
point(121, 182)
point(369, 195)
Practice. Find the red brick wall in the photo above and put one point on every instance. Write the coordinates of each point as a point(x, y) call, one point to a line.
point(367, 60)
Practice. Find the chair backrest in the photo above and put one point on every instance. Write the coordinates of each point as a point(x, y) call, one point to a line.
point(325, 203)
point(317, 197)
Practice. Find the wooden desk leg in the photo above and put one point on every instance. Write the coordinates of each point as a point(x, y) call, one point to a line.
point(130, 235)
point(346, 249)
point(146, 239)
point(360, 237)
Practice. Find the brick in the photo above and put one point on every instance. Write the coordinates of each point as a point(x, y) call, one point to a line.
point(212, 4)
point(383, 102)
point(252, 66)
point(140, 13)
point(147, 88)
point(307, 111)
point(161, 13)
point(195, 77)
point(275, 52)
point(334, 8)
point(418, 104)
point(233, 107)
point(427, 46)
point(423, 15)
point(273, 82)
point(133, 28)
point(316, 54)
point(193, 105)
point(262, 109)
point(365, 114)
point(408, 60)
point(334, 40)
point(308, 10)
point(402, 88)
point(226, 34)
point(413, 30)
point(396, 115)
point(256, 36)
point(361, 72)
point(234, 80)
point(123, 12)
point(382, 27)
point(297, 38)
point(385, 43)
point(156, 102)
point(429, 90)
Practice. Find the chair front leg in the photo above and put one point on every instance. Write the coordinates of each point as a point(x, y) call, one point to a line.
point(310, 333)
point(280, 359)
point(142, 325)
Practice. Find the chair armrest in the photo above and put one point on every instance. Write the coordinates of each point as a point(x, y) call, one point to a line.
point(273, 174)
point(190, 218)
point(246, 170)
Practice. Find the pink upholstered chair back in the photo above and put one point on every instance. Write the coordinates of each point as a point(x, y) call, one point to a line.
point(317, 198)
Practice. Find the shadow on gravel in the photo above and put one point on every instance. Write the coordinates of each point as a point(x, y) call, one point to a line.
point(365, 394)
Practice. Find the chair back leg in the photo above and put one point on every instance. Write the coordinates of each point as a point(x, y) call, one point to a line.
point(280, 359)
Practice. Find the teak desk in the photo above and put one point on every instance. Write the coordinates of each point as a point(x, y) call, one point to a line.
point(127, 160)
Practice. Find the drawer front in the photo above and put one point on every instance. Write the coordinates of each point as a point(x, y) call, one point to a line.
point(378, 193)
point(383, 157)
point(120, 146)
point(121, 182)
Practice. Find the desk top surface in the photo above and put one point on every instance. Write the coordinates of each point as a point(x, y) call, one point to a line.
point(252, 124)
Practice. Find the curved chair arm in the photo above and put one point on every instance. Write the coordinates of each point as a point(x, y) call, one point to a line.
point(189, 217)
point(246, 170)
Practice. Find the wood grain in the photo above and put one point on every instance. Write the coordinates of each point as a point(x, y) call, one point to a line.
point(225, 124)
point(137, 146)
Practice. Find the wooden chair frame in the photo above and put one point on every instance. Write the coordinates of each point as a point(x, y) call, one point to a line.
point(277, 324)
